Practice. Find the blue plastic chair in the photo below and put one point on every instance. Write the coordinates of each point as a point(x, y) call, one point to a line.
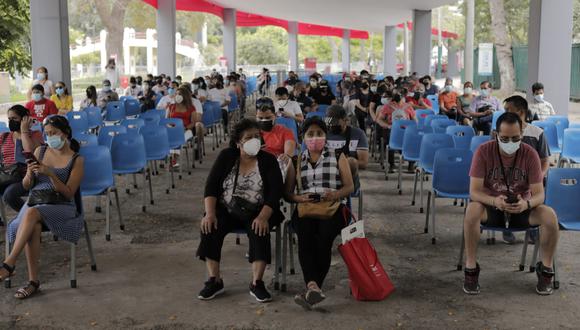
point(94, 116)
point(478, 140)
point(494, 118)
point(571, 147)
point(125, 98)
point(158, 98)
point(320, 114)
point(133, 124)
point(115, 111)
point(290, 124)
point(562, 191)
point(422, 115)
point(150, 117)
point(86, 140)
point(429, 119)
point(434, 102)
point(574, 125)
point(132, 107)
point(440, 125)
point(98, 180)
point(208, 123)
point(450, 180)
point(462, 135)
point(157, 149)
point(108, 133)
point(411, 148)
point(429, 146)
point(176, 136)
point(233, 105)
point(550, 134)
point(322, 108)
point(78, 121)
point(396, 138)
point(562, 123)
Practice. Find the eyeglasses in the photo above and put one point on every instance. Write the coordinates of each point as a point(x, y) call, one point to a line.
point(506, 139)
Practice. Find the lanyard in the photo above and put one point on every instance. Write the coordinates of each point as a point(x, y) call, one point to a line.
point(503, 174)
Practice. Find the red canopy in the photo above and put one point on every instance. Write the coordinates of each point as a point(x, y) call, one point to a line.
point(434, 31)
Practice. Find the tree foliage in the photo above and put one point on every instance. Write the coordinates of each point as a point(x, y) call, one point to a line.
point(15, 36)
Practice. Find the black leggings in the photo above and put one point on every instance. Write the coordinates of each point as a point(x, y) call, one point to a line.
point(225, 119)
point(211, 244)
point(315, 239)
point(361, 117)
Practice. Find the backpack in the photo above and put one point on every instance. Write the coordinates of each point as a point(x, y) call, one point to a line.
point(399, 114)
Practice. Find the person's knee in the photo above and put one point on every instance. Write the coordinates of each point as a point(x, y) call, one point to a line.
point(546, 216)
point(474, 213)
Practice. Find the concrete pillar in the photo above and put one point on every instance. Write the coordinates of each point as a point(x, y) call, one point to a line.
point(166, 37)
point(406, 66)
point(149, 40)
point(293, 45)
point(421, 57)
point(103, 49)
point(229, 39)
point(50, 44)
point(346, 50)
point(469, 33)
point(390, 50)
point(127, 36)
point(550, 50)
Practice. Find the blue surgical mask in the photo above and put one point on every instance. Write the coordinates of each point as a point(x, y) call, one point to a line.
point(106, 88)
point(36, 97)
point(170, 91)
point(485, 92)
point(59, 91)
point(55, 142)
point(40, 76)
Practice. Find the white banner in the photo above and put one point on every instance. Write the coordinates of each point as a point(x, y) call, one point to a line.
point(485, 62)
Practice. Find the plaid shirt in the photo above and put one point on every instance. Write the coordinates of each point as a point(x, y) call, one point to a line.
point(324, 175)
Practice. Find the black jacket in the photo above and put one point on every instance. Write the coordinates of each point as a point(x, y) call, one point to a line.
point(269, 171)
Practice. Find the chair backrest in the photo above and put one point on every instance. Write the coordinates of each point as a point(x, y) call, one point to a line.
point(175, 131)
point(86, 140)
point(156, 141)
point(462, 135)
point(132, 107)
point(78, 121)
point(108, 133)
point(207, 117)
point(571, 144)
point(322, 108)
point(478, 140)
point(434, 102)
point(151, 117)
point(422, 115)
point(128, 153)
point(398, 133)
point(451, 170)
point(574, 125)
point(440, 125)
point(412, 143)
point(494, 118)
point(429, 145)
point(133, 124)
point(233, 105)
point(98, 174)
point(158, 98)
point(562, 191)
point(3, 124)
point(290, 124)
point(94, 116)
point(115, 111)
point(320, 114)
point(561, 122)
point(550, 134)
point(429, 119)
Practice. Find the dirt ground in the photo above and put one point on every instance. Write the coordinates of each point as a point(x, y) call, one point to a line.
point(148, 277)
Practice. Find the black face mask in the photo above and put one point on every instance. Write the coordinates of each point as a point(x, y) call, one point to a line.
point(14, 125)
point(396, 98)
point(417, 95)
point(335, 129)
point(364, 86)
point(266, 125)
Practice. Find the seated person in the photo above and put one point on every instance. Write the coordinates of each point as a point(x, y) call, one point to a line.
point(324, 96)
point(418, 99)
point(299, 95)
point(363, 98)
point(430, 88)
point(464, 102)
point(148, 98)
point(159, 87)
point(344, 138)
point(57, 168)
point(134, 89)
point(287, 108)
point(91, 99)
point(42, 79)
point(482, 109)
point(540, 107)
point(62, 98)
point(184, 109)
point(448, 100)
point(40, 107)
point(106, 95)
point(507, 192)
point(242, 191)
point(168, 99)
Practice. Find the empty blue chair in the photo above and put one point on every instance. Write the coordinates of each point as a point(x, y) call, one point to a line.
point(450, 180)
point(429, 146)
point(151, 117)
point(561, 122)
point(233, 105)
point(290, 124)
point(429, 119)
point(440, 125)
point(125, 98)
point(434, 102)
point(176, 136)
point(133, 125)
point(94, 116)
point(320, 114)
point(396, 142)
point(411, 149)
point(478, 140)
point(422, 116)
point(550, 134)
point(574, 125)
point(562, 191)
point(86, 140)
point(115, 111)
point(78, 121)
point(157, 148)
point(98, 180)
point(462, 135)
point(108, 133)
point(208, 123)
point(132, 107)
point(322, 108)
point(494, 118)
point(571, 147)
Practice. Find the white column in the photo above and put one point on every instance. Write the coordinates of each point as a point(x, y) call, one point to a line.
point(150, 41)
point(550, 50)
point(50, 44)
point(469, 32)
point(103, 49)
point(421, 56)
point(406, 66)
point(346, 50)
point(166, 37)
point(390, 50)
point(229, 38)
point(293, 45)
point(127, 37)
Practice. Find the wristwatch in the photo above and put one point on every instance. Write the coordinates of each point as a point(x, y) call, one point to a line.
point(529, 205)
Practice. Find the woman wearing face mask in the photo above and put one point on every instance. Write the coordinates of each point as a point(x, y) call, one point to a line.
point(184, 109)
point(363, 100)
point(42, 79)
point(149, 96)
point(199, 88)
point(40, 107)
point(168, 99)
point(13, 145)
point(321, 176)
point(464, 102)
point(62, 99)
point(91, 99)
point(111, 73)
point(242, 192)
point(220, 95)
point(53, 177)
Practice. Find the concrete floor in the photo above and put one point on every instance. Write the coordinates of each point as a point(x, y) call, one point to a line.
point(148, 277)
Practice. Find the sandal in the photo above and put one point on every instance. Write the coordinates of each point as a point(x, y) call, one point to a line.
point(314, 296)
point(9, 269)
point(300, 300)
point(28, 291)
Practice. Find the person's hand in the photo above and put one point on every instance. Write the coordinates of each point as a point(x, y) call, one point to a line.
point(43, 169)
point(488, 112)
point(285, 114)
point(520, 206)
point(260, 226)
point(330, 196)
point(499, 202)
point(31, 167)
point(208, 223)
point(25, 124)
point(305, 198)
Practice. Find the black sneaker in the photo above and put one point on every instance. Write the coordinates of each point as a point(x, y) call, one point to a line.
point(471, 283)
point(259, 292)
point(212, 289)
point(545, 275)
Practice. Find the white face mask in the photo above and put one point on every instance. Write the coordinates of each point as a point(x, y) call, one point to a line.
point(289, 88)
point(252, 146)
point(374, 89)
point(178, 98)
point(385, 100)
point(485, 92)
point(539, 97)
point(509, 148)
point(467, 90)
point(313, 83)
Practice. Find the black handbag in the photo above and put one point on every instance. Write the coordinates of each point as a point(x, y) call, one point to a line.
point(38, 197)
point(241, 208)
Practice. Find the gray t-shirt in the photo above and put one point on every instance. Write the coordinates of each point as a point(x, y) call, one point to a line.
point(358, 141)
point(534, 137)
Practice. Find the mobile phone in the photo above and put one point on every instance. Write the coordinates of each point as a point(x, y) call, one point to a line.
point(29, 156)
point(511, 199)
point(315, 197)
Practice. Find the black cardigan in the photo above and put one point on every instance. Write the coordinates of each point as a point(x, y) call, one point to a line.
point(269, 171)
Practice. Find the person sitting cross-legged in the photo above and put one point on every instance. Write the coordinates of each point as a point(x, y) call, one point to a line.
point(506, 191)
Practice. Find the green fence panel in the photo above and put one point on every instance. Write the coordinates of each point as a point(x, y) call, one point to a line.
point(575, 72)
point(520, 58)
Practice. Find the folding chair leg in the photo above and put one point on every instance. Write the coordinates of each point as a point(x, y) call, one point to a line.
point(421, 191)
point(284, 255)
point(556, 276)
point(387, 165)
point(90, 248)
point(535, 255)
point(134, 180)
point(121, 223)
point(434, 237)
point(399, 182)
point(108, 216)
point(187, 161)
point(145, 174)
point(73, 265)
point(151, 188)
point(524, 251)
point(415, 187)
point(278, 264)
point(360, 204)
point(171, 180)
point(291, 250)
point(382, 154)
point(461, 250)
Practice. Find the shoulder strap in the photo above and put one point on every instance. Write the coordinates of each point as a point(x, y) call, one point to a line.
point(42, 152)
point(299, 173)
point(4, 137)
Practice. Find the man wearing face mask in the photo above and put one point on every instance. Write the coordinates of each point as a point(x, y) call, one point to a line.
point(430, 88)
point(40, 107)
point(287, 108)
point(169, 98)
point(299, 95)
point(507, 192)
point(448, 100)
point(363, 98)
point(134, 89)
point(325, 96)
point(483, 107)
point(106, 94)
point(312, 90)
point(539, 106)
point(418, 100)
point(278, 140)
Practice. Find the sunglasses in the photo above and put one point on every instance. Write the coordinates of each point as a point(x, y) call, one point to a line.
point(506, 139)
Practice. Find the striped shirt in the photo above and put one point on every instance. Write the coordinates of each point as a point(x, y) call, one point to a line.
point(322, 176)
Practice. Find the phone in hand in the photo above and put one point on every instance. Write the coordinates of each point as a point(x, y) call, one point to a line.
point(315, 197)
point(30, 158)
point(512, 199)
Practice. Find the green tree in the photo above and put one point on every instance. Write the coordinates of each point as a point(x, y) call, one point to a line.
point(268, 45)
point(15, 36)
point(112, 14)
